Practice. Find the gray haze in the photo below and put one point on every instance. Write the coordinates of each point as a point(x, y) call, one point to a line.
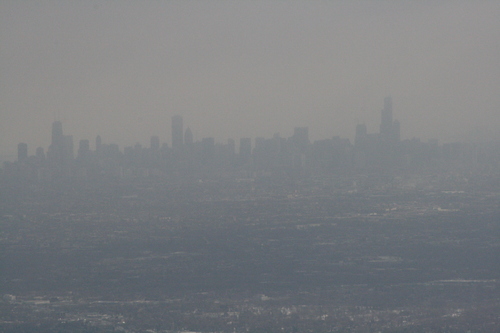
point(121, 69)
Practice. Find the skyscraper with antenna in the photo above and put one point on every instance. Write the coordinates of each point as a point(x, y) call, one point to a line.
point(389, 128)
point(386, 120)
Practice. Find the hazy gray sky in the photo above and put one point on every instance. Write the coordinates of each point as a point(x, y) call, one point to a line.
point(236, 69)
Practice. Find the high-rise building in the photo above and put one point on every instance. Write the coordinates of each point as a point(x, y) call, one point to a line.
point(56, 149)
point(98, 144)
point(57, 134)
point(389, 129)
point(177, 133)
point(386, 120)
point(60, 154)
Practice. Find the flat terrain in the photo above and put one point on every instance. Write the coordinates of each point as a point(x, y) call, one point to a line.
point(241, 259)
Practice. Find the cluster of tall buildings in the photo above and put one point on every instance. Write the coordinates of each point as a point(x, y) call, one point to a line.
point(390, 131)
point(371, 152)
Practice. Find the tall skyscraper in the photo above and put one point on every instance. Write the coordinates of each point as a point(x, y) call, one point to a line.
point(98, 144)
point(60, 154)
point(57, 134)
point(389, 129)
point(56, 149)
point(386, 121)
point(177, 133)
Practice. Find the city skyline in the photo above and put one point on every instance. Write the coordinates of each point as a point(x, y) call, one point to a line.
point(382, 152)
point(247, 69)
point(389, 131)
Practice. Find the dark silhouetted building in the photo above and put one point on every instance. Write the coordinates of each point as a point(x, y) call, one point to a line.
point(386, 133)
point(56, 149)
point(57, 134)
point(389, 129)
